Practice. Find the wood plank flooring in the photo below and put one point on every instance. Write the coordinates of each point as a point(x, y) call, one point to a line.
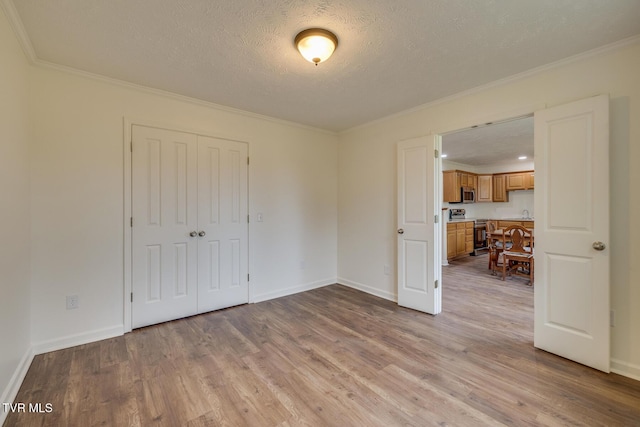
point(334, 357)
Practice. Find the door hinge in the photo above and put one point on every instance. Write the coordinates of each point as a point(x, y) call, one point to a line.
point(436, 219)
point(247, 277)
point(131, 146)
point(436, 153)
point(131, 222)
point(247, 219)
point(131, 296)
point(247, 159)
point(436, 285)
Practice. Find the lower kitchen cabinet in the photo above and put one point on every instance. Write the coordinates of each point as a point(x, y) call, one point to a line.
point(459, 239)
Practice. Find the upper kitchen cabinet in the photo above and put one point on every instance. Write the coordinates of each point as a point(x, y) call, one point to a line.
point(451, 187)
point(500, 188)
point(520, 181)
point(453, 181)
point(484, 192)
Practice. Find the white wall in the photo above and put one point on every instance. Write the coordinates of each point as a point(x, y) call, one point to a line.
point(15, 340)
point(367, 201)
point(77, 199)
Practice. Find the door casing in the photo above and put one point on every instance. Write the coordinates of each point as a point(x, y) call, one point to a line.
point(128, 122)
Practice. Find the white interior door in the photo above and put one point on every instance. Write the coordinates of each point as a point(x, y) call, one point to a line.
point(190, 224)
point(223, 221)
point(418, 232)
point(164, 189)
point(572, 231)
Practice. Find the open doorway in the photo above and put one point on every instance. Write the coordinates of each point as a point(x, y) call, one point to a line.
point(571, 313)
point(488, 175)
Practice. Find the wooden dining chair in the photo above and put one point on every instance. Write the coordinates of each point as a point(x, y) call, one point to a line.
point(519, 258)
point(496, 244)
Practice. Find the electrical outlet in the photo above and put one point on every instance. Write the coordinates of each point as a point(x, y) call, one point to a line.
point(72, 302)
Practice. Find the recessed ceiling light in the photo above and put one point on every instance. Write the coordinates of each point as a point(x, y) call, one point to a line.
point(522, 158)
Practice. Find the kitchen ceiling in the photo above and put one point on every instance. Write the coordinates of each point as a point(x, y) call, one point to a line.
point(392, 55)
point(491, 144)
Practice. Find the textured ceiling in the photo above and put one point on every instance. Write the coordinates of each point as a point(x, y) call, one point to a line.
point(392, 55)
point(491, 144)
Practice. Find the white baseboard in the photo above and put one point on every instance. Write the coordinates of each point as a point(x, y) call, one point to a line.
point(293, 290)
point(625, 369)
point(77, 339)
point(11, 391)
point(368, 289)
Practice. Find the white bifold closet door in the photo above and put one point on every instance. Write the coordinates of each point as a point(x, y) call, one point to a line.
point(190, 231)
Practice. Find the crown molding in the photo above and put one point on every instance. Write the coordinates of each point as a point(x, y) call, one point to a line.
point(25, 42)
point(612, 47)
point(174, 96)
point(18, 28)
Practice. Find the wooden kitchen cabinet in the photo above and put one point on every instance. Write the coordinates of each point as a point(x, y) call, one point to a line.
point(453, 180)
point(452, 246)
point(484, 192)
point(468, 235)
point(519, 181)
point(529, 180)
point(499, 188)
point(451, 187)
point(459, 239)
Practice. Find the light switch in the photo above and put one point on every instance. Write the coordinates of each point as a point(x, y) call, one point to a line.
point(259, 216)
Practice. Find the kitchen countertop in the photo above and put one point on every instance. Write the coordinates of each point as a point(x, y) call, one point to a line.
point(514, 219)
point(491, 219)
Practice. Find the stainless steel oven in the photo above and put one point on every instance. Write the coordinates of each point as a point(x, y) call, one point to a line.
point(479, 235)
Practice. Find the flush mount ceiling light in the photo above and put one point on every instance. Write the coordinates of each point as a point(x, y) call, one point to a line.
point(316, 44)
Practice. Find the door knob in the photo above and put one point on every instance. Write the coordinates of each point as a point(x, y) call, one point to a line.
point(599, 246)
point(400, 231)
point(202, 234)
point(193, 234)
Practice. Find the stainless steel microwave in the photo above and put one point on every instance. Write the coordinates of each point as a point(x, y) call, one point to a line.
point(468, 195)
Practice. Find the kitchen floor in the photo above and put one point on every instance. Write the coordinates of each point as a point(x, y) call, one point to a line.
point(474, 269)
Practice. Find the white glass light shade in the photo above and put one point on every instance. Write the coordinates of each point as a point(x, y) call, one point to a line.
point(316, 45)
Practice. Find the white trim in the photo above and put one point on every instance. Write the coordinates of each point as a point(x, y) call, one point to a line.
point(127, 213)
point(127, 229)
point(178, 97)
point(21, 33)
point(77, 339)
point(368, 289)
point(11, 390)
point(625, 369)
point(293, 290)
point(505, 81)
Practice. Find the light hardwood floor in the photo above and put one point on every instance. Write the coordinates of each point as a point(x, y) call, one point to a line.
point(334, 356)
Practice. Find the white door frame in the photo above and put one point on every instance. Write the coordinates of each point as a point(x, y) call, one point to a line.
point(127, 213)
point(514, 114)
